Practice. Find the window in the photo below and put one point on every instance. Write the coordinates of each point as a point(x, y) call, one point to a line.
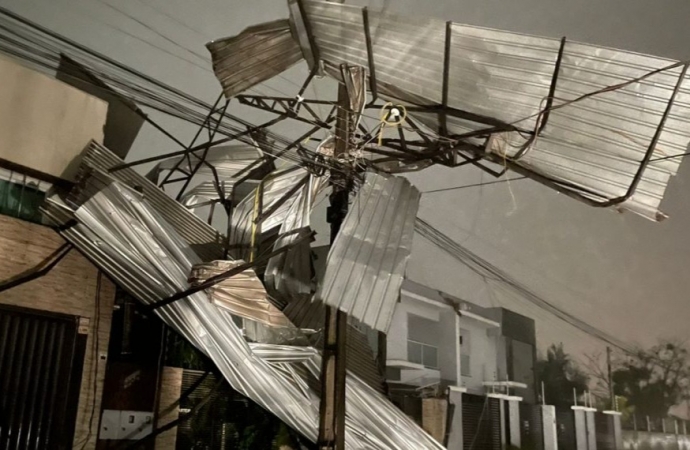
point(422, 335)
point(465, 368)
point(424, 354)
point(21, 196)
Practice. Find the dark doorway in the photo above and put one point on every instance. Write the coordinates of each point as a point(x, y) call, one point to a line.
point(41, 362)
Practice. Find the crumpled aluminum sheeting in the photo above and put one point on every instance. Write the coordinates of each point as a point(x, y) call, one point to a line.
point(290, 273)
point(255, 55)
point(596, 144)
point(366, 264)
point(143, 254)
point(206, 193)
point(228, 160)
point(206, 241)
point(275, 185)
point(129, 241)
point(243, 294)
point(386, 425)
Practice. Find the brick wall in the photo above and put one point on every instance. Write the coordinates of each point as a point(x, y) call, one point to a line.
point(434, 414)
point(170, 391)
point(69, 288)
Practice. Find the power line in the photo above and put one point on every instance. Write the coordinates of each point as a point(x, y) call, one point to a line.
point(489, 271)
point(486, 183)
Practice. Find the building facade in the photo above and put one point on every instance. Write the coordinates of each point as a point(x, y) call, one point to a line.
point(55, 306)
point(437, 339)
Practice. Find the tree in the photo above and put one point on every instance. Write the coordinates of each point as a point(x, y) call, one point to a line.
point(598, 372)
point(561, 376)
point(654, 380)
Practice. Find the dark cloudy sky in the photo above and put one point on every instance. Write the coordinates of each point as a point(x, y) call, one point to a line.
point(621, 273)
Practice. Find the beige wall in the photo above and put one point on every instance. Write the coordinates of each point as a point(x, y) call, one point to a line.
point(69, 288)
point(434, 415)
point(170, 391)
point(44, 123)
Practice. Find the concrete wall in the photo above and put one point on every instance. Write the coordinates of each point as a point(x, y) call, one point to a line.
point(481, 345)
point(69, 288)
point(482, 351)
point(645, 440)
point(448, 362)
point(46, 124)
point(397, 334)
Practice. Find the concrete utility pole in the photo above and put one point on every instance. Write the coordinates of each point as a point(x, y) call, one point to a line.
point(332, 406)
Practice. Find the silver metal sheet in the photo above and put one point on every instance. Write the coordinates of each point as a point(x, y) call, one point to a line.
point(203, 239)
point(595, 144)
point(228, 160)
point(366, 264)
point(126, 238)
point(242, 223)
point(255, 55)
point(290, 274)
point(243, 294)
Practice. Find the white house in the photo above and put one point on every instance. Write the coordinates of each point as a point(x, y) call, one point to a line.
point(437, 339)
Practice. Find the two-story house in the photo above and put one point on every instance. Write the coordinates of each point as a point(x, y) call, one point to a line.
point(436, 339)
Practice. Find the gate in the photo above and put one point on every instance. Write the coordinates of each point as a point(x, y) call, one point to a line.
point(604, 430)
point(481, 423)
point(41, 362)
point(531, 427)
point(565, 428)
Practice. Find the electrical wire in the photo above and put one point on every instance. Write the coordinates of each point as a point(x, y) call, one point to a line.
point(43, 48)
point(486, 183)
point(491, 272)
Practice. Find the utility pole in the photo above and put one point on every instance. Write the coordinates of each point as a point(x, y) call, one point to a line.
point(332, 406)
point(608, 364)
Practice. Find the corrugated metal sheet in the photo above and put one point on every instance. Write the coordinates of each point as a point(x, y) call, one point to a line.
point(359, 357)
point(273, 188)
point(596, 144)
point(366, 263)
point(228, 160)
point(243, 294)
point(290, 274)
point(203, 239)
point(132, 243)
point(255, 55)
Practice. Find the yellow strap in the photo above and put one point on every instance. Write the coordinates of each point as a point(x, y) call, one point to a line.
point(254, 227)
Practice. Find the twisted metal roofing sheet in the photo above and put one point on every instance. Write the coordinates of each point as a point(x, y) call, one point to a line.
point(596, 144)
point(204, 239)
point(255, 55)
point(366, 263)
point(125, 237)
point(243, 294)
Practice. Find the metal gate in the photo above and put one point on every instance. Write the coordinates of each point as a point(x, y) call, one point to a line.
point(604, 430)
point(41, 361)
point(531, 427)
point(565, 427)
point(481, 423)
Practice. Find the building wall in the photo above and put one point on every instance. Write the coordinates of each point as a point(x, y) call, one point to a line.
point(482, 353)
point(46, 124)
point(398, 332)
point(69, 288)
point(482, 345)
point(447, 349)
point(168, 408)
